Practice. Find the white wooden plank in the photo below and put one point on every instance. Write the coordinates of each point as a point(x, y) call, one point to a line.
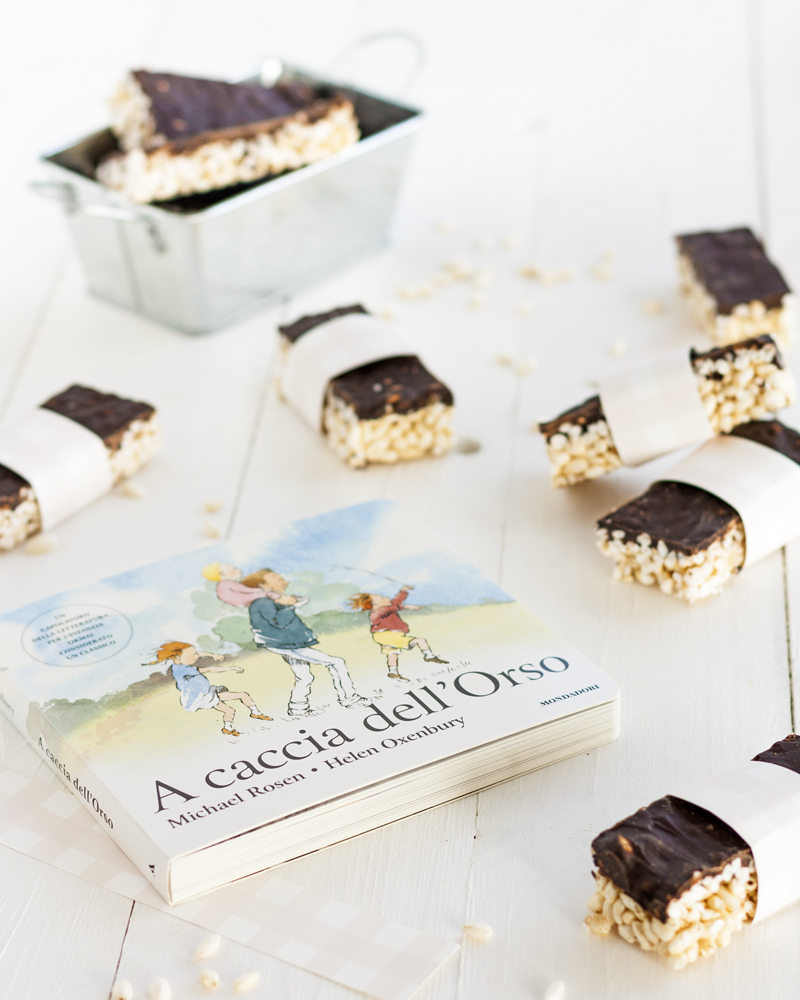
point(61, 936)
point(682, 670)
point(386, 872)
point(777, 24)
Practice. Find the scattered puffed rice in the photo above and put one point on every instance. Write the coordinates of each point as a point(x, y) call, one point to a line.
point(512, 242)
point(122, 990)
point(555, 275)
point(39, 545)
point(603, 271)
point(526, 366)
point(408, 292)
point(208, 979)
point(468, 446)
point(386, 314)
point(485, 243)
point(503, 359)
point(530, 271)
point(160, 989)
point(132, 490)
point(212, 506)
point(208, 947)
point(477, 301)
point(652, 306)
point(443, 278)
point(555, 991)
point(425, 290)
point(211, 530)
point(460, 269)
point(447, 225)
point(618, 348)
point(524, 308)
point(246, 982)
point(477, 932)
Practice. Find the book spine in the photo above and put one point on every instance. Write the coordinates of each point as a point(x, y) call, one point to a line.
point(78, 777)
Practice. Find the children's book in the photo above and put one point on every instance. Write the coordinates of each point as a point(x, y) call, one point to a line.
point(238, 706)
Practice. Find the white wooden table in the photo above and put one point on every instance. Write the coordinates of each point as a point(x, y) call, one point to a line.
point(581, 127)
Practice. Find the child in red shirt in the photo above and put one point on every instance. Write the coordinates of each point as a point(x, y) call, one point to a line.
point(389, 630)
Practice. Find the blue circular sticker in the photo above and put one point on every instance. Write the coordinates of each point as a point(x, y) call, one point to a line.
point(76, 634)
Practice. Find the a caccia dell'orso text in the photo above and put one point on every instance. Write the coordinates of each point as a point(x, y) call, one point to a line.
point(410, 720)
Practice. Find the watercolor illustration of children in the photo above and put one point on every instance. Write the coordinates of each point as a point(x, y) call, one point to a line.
point(276, 627)
point(389, 630)
point(197, 691)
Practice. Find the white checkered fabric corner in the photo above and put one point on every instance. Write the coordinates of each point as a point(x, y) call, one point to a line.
point(279, 918)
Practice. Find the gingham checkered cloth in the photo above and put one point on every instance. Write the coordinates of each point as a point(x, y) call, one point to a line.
point(300, 926)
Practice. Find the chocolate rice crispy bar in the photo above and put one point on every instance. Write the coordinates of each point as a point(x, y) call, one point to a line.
point(681, 538)
point(129, 430)
point(387, 411)
point(741, 382)
point(733, 288)
point(674, 879)
point(184, 135)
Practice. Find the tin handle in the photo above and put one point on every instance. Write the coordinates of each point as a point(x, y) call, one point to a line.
point(65, 193)
point(57, 191)
point(128, 215)
point(416, 43)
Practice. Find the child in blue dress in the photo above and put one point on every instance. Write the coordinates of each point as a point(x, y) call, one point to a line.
point(195, 688)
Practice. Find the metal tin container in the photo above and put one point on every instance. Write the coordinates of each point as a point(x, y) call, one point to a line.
point(204, 261)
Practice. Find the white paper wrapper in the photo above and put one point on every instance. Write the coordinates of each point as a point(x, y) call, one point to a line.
point(654, 408)
point(761, 802)
point(761, 485)
point(330, 350)
point(66, 464)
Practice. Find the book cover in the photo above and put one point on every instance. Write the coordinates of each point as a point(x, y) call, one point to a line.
point(197, 698)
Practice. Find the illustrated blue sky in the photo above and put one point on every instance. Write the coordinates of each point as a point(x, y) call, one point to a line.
point(373, 546)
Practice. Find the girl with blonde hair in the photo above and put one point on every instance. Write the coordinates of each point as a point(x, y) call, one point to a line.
point(197, 691)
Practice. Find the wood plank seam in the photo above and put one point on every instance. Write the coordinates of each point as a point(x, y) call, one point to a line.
point(121, 948)
point(38, 324)
point(263, 399)
point(789, 657)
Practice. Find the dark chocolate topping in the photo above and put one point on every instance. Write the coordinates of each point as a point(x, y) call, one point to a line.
point(294, 331)
point(660, 851)
point(729, 351)
point(391, 385)
point(772, 434)
point(306, 116)
point(734, 268)
point(589, 412)
point(686, 518)
point(106, 415)
point(784, 752)
point(185, 106)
